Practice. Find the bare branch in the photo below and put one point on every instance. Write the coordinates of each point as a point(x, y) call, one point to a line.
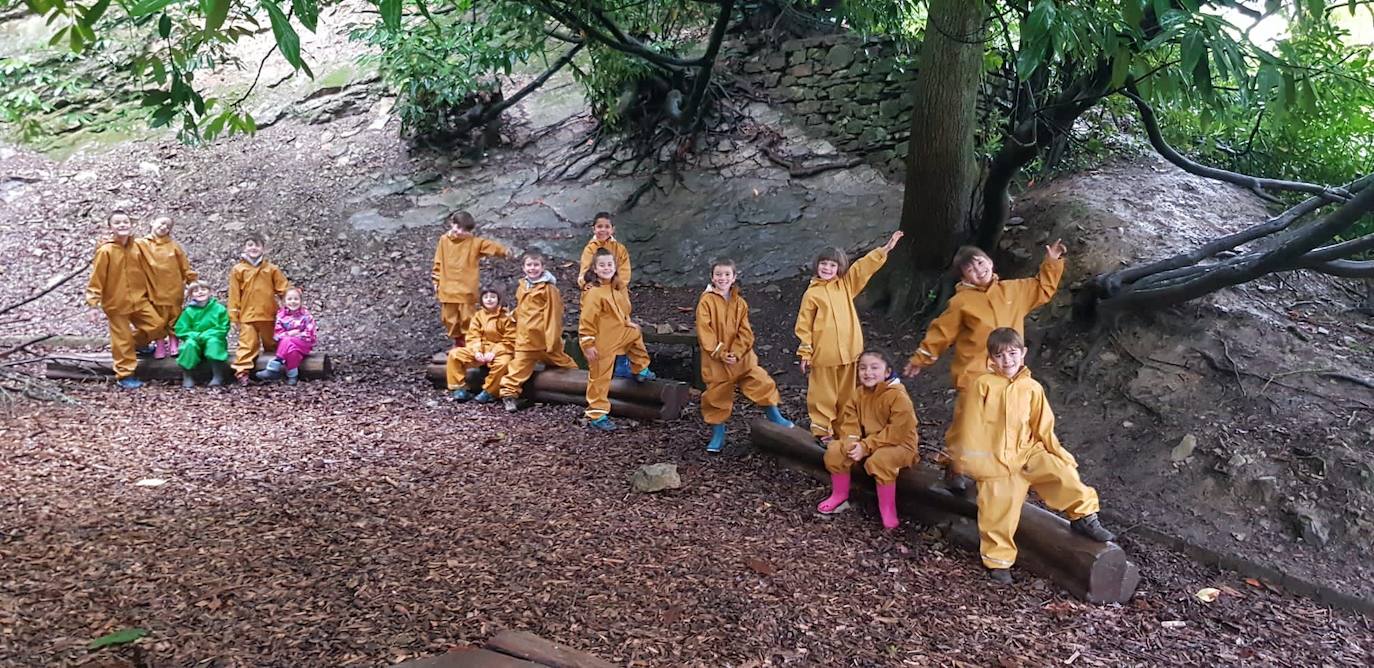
point(80, 270)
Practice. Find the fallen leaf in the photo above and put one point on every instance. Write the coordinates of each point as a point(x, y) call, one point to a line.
point(120, 637)
point(150, 482)
point(1253, 582)
point(760, 566)
point(1207, 594)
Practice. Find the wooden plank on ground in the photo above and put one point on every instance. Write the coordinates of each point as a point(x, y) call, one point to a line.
point(469, 658)
point(525, 645)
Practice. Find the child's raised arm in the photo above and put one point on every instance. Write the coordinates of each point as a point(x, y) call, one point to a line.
point(939, 336)
point(865, 267)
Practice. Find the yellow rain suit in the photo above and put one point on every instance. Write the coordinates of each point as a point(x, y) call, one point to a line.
point(538, 332)
point(253, 289)
point(722, 329)
point(605, 324)
point(489, 332)
point(832, 339)
point(169, 270)
point(1009, 447)
point(617, 249)
point(455, 276)
point(883, 421)
point(119, 286)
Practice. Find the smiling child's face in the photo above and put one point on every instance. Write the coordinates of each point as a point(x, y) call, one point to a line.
point(872, 370)
point(827, 269)
point(200, 294)
point(490, 301)
point(723, 278)
point(605, 267)
point(292, 299)
point(1009, 360)
point(252, 249)
point(978, 271)
point(534, 268)
point(603, 229)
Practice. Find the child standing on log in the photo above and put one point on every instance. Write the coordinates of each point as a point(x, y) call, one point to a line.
point(254, 286)
point(169, 272)
point(605, 331)
point(203, 328)
point(119, 287)
point(538, 329)
point(981, 303)
point(878, 427)
point(727, 356)
point(603, 237)
point(1009, 447)
point(490, 342)
point(830, 333)
point(456, 262)
point(296, 335)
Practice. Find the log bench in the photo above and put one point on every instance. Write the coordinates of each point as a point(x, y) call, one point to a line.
point(650, 400)
point(1092, 571)
point(98, 366)
point(511, 649)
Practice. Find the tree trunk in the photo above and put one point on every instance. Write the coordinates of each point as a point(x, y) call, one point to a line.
point(942, 171)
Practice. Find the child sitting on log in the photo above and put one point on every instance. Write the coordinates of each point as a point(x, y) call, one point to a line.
point(538, 329)
point(490, 342)
point(878, 427)
point(457, 257)
point(296, 335)
point(603, 236)
point(203, 328)
point(119, 287)
point(1009, 447)
point(254, 285)
point(981, 303)
point(727, 356)
point(830, 333)
point(169, 272)
point(605, 330)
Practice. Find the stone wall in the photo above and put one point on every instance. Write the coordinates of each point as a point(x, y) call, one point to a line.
point(853, 91)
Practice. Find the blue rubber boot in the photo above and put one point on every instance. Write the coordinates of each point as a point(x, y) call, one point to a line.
point(644, 375)
point(622, 368)
point(272, 372)
point(717, 438)
point(603, 423)
point(461, 394)
point(293, 375)
point(130, 383)
point(483, 398)
point(775, 416)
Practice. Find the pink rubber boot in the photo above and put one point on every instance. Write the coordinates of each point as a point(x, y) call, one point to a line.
point(173, 346)
point(887, 505)
point(160, 349)
point(839, 495)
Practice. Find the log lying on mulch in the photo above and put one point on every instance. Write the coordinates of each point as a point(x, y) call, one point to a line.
point(651, 400)
point(97, 366)
point(512, 649)
point(1092, 571)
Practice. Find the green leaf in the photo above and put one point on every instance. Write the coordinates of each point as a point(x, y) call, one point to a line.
point(307, 12)
point(90, 16)
point(163, 116)
point(287, 40)
point(58, 36)
point(1132, 12)
point(164, 26)
point(146, 7)
point(391, 14)
point(1121, 67)
point(215, 15)
point(159, 71)
point(39, 7)
point(1193, 49)
point(120, 637)
point(74, 39)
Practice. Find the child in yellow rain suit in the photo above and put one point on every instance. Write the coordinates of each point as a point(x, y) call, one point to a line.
point(169, 272)
point(254, 286)
point(538, 329)
point(604, 331)
point(119, 286)
point(1009, 447)
point(490, 342)
point(456, 262)
point(878, 426)
point(727, 356)
point(981, 303)
point(603, 236)
point(830, 333)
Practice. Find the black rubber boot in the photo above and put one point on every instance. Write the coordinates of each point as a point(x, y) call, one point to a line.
point(1089, 526)
point(216, 374)
point(1000, 575)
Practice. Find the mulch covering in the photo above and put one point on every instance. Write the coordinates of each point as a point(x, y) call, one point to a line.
point(366, 521)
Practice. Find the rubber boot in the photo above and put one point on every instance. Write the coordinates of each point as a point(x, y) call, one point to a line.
point(887, 505)
point(292, 375)
point(1001, 576)
point(160, 349)
point(173, 346)
point(645, 375)
point(1090, 527)
point(622, 368)
point(461, 395)
point(272, 372)
point(129, 383)
point(775, 416)
point(717, 438)
point(602, 423)
point(187, 381)
point(510, 404)
point(216, 374)
point(484, 397)
point(839, 495)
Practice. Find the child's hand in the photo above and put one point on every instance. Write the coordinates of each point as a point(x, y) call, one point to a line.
point(892, 241)
point(633, 324)
point(1056, 250)
point(590, 353)
point(911, 370)
point(731, 358)
point(805, 366)
point(95, 315)
point(856, 451)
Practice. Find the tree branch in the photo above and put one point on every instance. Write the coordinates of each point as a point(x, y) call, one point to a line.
point(619, 41)
point(530, 87)
point(80, 270)
point(692, 117)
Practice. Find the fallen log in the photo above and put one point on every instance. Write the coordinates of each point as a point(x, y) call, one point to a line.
point(1092, 571)
point(97, 366)
point(650, 400)
point(512, 649)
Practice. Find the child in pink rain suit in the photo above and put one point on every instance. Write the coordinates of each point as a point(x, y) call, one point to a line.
point(295, 334)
